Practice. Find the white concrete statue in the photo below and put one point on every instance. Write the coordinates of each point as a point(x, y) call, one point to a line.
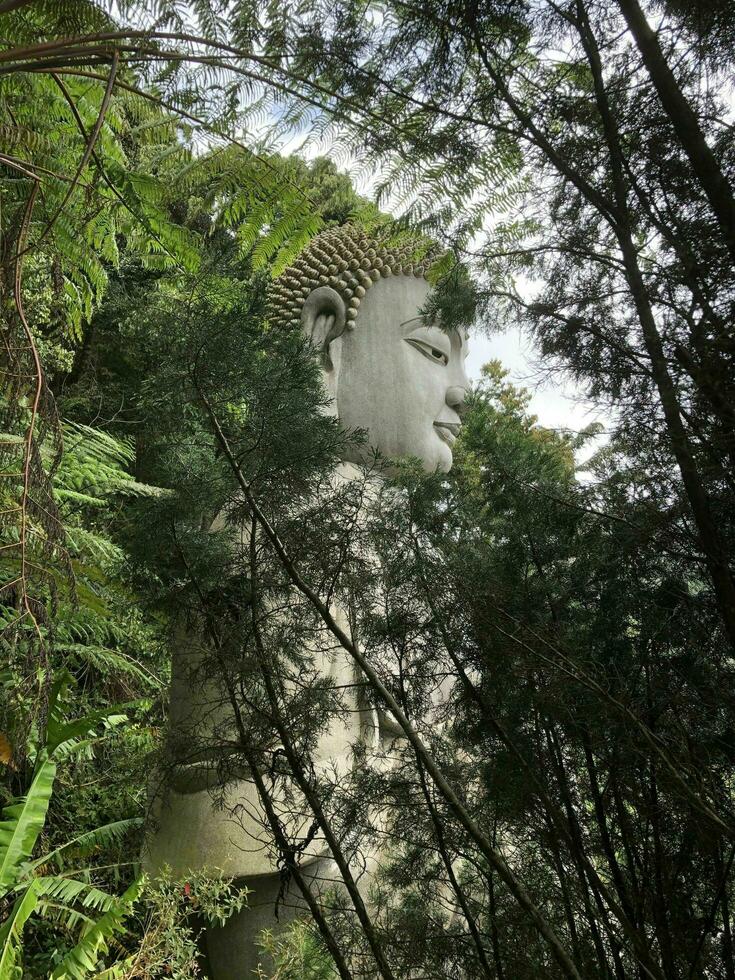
point(403, 380)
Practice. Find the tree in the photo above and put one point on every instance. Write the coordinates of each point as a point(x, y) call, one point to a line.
point(491, 105)
point(611, 217)
point(90, 154)
point(574, 784)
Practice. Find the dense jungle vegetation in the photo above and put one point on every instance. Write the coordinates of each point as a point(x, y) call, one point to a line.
point(566, 808)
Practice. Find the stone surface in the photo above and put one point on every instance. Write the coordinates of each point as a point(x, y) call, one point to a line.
point(186, 830)
point(392, 374)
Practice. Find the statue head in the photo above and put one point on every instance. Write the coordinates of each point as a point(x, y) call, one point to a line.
point(388, 369)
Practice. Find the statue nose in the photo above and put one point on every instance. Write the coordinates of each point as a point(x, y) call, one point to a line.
point(455, 398)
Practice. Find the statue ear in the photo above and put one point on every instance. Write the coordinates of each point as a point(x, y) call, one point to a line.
point(323, 318)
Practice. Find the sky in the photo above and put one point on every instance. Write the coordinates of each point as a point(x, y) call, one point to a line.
point(558, 403)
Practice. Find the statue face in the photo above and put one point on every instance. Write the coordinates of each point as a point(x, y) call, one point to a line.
point(398, 378)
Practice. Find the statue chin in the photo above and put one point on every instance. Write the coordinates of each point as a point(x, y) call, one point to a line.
point(444, 462)
point(433, 456)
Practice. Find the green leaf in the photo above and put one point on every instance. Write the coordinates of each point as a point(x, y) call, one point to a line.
point(23, 822)
point(118, 971)
point(84, 957)
point(86, 842)
point(11, 931)
point(64, 734)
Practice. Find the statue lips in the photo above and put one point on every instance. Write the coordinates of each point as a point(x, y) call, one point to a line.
point(448, 431)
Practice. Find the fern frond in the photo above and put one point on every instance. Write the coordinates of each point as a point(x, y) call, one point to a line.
point(86, 843)
point(71, 891)
point(110, 662)
point(85, 956)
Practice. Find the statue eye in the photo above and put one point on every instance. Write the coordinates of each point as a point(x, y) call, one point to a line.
point(429, 350)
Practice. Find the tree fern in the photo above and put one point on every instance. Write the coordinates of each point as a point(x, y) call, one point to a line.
point(96, 152)
point(89, 841)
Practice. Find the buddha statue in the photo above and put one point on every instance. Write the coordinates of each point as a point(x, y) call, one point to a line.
point(402, 380)
point(387, 370)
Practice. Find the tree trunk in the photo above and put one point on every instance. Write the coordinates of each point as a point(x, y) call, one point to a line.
point(712, 544)
point(684, 121)
point(454, 803)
